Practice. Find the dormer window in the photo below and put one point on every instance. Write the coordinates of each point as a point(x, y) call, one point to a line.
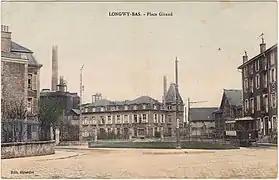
point(135, 107)
point(86, 109)
point(116, 108)
point(94, 109)
point(155, 106)
point(144, 106)
point(102, 109)
point(126, 107)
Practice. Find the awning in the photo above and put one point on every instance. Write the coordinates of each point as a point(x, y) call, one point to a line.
point(249, 118)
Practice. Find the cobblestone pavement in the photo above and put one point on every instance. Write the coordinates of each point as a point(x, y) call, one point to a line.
point(144, 163)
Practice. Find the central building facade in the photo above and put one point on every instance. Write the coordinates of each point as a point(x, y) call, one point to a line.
point(143, 117)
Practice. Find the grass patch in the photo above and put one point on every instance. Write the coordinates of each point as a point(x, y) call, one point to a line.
point(163, 145)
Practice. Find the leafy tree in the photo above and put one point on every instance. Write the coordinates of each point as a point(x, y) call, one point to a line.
point(49, 114)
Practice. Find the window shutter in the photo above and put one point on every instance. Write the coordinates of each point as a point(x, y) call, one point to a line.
point(34, 82)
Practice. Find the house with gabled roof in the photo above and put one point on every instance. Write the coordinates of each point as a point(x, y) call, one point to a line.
point(202, 122)
point(230, 109)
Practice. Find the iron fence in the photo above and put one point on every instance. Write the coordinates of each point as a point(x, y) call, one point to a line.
point(19, 130)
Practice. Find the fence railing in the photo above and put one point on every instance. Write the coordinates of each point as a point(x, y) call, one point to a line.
point(21, 130)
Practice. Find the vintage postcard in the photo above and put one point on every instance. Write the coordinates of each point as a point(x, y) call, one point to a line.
point(139, 90)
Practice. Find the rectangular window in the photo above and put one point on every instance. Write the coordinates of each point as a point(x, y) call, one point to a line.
point(272, 75)
point(144, 118)
point(272, 58)
point(135, 118)
point(109, 120)
point(252, 104)
point(126, 107)
point(126, 119)
point(162, 118)
point(246, 105)
point(118, 119)
point(251, 85)
point(34, 82)
point(245, 71)
point(257, 65)
point(155, 118)
point(29, 105)
point(273, 100)
point(94, 109)
point(274, 122)
point(246, 85)
point(135, 107)
point(251, 69)
point(93, 120)
point(29, 81)
point(102, 120)
point(144, 106)
point(258, 103)
point(102, 108)
point(257, 81)
point(155, 106)
point(265, 80)
point(265, 97)
point(169, 119)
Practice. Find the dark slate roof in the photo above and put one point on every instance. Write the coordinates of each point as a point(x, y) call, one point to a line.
point(77, 111)
point(202, 114)
point(170, 96)
point(18, 48)
point(139, 100)
point(144, 100)
point(10, 55)
point(234, 96)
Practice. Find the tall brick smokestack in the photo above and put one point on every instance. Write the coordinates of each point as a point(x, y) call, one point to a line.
point(165, 88)
point(54, 76)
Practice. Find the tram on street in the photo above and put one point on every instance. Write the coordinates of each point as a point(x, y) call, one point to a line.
point(243, 130)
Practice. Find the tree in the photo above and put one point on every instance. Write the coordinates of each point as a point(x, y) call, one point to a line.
point(13, 114)
point(49, 114)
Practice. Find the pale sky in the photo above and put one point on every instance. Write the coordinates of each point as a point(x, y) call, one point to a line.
point(126, 57)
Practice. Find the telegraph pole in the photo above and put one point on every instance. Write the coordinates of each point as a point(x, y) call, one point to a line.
point(80, 102)
point(176, 105)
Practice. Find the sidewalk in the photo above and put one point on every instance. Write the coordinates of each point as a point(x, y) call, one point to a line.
point(59, 154)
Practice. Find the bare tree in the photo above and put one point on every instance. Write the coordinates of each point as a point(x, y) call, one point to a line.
point(13, 113)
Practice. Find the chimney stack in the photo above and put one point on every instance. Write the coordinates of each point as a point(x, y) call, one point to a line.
point(54, 78)
point(6, 42)
point(262, 46)
point(165, 88)
point(245, 57)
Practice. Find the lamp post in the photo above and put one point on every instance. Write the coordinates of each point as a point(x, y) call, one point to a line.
point(80, 102)
point(176, 106)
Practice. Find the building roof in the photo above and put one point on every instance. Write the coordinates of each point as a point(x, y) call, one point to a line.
point(18, 48)
point(76, 111)
point(234, 96)
point(257, 56)
point(17, 51)
point(172, 94)
point(202, 114)
point(139, 100)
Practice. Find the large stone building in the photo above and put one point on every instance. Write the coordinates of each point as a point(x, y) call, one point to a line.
point(230, 109)
point(259, 80)
point(20, 84)
point(20, 74)
point(141, 117)
point(202, 122)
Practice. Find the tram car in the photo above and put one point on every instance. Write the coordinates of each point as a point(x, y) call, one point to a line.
point(242, 130)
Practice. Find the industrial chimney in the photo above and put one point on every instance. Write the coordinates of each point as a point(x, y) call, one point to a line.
point(54, 78)
point(165, 88)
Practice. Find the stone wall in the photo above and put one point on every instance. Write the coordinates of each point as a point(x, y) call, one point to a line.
point(26, 149)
